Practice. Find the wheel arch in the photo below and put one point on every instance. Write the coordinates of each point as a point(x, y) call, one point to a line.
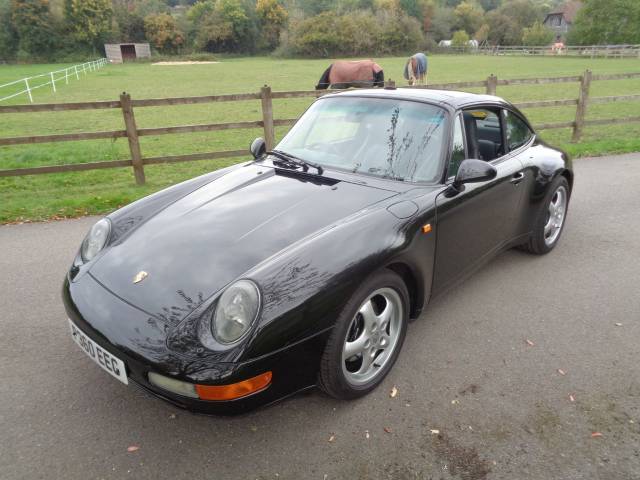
point(410, 279)
point(568, 174)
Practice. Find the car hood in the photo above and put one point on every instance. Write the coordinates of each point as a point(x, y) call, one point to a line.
point(208, 238)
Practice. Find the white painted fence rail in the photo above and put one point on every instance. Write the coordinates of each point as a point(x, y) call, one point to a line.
point(32, 83)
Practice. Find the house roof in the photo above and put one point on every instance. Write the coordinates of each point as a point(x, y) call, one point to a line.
point(569, 10)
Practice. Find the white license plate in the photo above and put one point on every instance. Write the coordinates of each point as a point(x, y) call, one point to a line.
point(104, 359)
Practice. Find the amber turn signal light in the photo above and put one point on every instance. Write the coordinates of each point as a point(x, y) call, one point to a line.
point(235, 390)
point(426, 228)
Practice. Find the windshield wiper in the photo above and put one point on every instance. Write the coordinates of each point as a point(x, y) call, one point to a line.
point(290, 161)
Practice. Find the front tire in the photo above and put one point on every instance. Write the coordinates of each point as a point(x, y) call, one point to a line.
point(367, 337)
point(550, 219)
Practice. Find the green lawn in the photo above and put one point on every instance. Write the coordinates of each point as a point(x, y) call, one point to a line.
point(57, 195)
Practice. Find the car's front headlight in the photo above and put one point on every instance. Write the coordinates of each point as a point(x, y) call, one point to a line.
point(236, 311)
point(95, 240)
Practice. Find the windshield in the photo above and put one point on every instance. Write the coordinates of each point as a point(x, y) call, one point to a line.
point(388, 138)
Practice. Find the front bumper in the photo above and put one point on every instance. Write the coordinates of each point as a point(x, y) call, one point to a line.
point(136, 338)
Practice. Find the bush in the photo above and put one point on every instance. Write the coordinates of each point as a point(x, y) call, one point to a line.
point(162, 32)
point(184, 57)
point(355, 34)
point(537, 35)
point(460, 39)
point(226, 26)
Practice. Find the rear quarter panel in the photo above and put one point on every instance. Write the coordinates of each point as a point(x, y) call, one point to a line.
point(542, 164)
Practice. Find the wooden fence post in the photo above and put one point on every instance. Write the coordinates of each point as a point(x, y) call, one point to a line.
point(581, 109)
point(132, 136)
point(267, 117)
point(492, 84)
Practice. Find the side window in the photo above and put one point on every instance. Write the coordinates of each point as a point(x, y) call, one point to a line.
point(457, 151)
point(517, 131)
point(484, 133)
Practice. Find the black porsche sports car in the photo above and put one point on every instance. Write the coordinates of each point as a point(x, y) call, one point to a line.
point(303, 267)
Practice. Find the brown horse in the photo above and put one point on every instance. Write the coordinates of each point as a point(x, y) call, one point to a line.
point(415, 70)
point(356, 73)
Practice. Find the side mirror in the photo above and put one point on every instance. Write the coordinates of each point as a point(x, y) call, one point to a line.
point(472, 171)
point(258, 147)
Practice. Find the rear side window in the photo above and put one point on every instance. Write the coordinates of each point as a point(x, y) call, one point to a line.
point(517, 131)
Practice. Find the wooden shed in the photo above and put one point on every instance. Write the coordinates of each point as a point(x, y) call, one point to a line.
point(122, 52)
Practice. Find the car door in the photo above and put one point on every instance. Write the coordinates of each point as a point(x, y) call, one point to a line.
point(519, 138)
point(474, 223)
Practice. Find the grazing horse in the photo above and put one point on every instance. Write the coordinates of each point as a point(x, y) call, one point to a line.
point(415, 70)
point(356, 73)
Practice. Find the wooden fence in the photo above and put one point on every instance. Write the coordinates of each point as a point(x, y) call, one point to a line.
point(131, 131)
point(584, 51)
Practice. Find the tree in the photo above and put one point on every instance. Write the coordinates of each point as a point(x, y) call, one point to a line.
point(89, 21)
point(8, 34)
point(468, 17)
point(314, 7)
point(490, 4)
point(442, 24)
point(354, 34)
point(523, 13)
point(607, 22)
point(399, 32)
point(386, 5)
point(228, 27)
point(507, 23)
point(32, 22)
point(428, 11)
point(537, 35)
point(460, 39)
point(482, 34)
point(130, 24)
point(272, 18)
point(161, 30)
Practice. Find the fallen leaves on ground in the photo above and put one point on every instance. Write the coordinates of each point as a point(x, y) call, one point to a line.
point(618, 324)
point(133, 448)
point(366, 434)
point(561, 371)
point(529, 342)
point(596, 435)
point(331, 438)
point(572, 398)
point(394, 392)
point(387, 430)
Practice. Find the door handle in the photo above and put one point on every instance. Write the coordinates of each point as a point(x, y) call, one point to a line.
point(517, 178)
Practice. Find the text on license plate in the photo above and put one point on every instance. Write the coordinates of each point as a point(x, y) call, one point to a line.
point(104, 359)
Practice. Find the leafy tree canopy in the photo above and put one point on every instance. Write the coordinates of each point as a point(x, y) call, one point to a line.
point(607, 22)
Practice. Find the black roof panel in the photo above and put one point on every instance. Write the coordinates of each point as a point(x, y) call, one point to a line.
point(451, 98)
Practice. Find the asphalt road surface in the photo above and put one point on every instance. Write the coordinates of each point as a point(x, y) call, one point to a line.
point(475, 399)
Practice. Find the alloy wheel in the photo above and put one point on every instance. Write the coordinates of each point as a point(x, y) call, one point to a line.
point(372, 336)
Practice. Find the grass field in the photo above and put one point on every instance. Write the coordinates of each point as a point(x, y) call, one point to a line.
point(40, 197)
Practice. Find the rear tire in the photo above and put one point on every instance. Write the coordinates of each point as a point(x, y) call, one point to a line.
point(367, 337)
point(550, 218)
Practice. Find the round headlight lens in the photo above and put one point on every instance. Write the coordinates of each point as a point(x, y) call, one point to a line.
point(236, 311)
point(95, 240)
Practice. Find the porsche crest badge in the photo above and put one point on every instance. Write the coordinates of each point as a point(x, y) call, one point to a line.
point(141, 275)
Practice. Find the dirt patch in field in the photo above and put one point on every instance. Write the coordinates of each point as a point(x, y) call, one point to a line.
point(183, 63)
